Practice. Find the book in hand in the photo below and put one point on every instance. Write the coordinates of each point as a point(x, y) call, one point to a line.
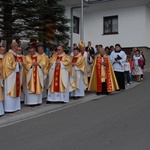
point(118, 58)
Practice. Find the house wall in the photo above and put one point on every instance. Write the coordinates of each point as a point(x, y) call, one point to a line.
point(146, 51)
point(147, 26)
point(76, 37)
point(131, 27)
point(134, 28)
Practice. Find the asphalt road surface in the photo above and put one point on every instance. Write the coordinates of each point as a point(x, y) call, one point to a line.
point(119, 121)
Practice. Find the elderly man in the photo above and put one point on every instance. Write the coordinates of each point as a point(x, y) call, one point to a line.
point(61, 78)
point(22, 75)
point(88, 58)
point(34, 65)
point(81, 80)
point(103, 79)
point(45, 58)
point(11, 76)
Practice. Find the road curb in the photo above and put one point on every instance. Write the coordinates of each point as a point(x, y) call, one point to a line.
point(27, 113)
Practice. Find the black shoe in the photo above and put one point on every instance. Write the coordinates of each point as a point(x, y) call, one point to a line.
point(118, 90)
point(48, 102)
point(62, 102)
point(76, 98)
point(98, 93)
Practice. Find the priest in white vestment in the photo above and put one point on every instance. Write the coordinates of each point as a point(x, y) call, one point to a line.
point(12, 83)
point(118, 59)
point(88, 58)
point(22, 75)
point(81, 80)
point(33, 65)
point(61, 77)
point(45, 58)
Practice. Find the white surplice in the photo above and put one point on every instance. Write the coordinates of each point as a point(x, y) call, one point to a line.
point(44, 93)
point(11, 104)
point(21, 76)
point(88, 61)
point(1, 108)
point(79, 76)
point(31, 98)
point(66, 79)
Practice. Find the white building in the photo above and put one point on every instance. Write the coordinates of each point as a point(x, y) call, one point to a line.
point(108, 22)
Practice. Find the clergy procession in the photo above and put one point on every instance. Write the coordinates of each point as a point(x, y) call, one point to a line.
point(28, 79)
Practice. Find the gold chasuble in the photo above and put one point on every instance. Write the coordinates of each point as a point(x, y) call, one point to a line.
point(33, 81)
point(1, 58)
point(9, 63)
point(102, 73)
point(57, 84)
point(57, 76)
point(79, 61)
point(45, 58)
point(1, 86)
point(21, 59)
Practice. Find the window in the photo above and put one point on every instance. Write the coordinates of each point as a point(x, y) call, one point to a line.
point(76, 25)
point(110, 25)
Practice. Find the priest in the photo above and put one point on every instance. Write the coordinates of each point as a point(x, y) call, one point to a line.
point(88, 58)
point(34, 65)
point(22, 75)
point(81, 79)
point(41, 52)
point(61, 77)
point(11, 76)
point(103, 79)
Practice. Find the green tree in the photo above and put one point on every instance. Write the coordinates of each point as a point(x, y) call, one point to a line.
point(43, 20)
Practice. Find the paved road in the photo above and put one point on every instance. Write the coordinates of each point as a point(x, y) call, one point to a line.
point(120, 121)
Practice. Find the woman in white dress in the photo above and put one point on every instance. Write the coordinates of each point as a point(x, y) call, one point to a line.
point(137, 71)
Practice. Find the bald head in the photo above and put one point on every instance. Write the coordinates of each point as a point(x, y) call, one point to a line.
point(14, 46)
point(59, 50)
point(102, 51)
point(40, 50)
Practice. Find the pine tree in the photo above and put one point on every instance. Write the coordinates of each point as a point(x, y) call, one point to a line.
point(43, 20)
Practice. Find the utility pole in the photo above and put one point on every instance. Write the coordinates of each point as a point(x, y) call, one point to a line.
point(82, 21)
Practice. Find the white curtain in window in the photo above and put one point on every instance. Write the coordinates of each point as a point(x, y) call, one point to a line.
point(115, 25)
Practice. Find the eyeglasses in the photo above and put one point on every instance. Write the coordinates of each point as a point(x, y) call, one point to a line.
point(31, 51)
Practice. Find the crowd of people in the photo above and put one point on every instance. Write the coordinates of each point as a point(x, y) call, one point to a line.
point(30, 78)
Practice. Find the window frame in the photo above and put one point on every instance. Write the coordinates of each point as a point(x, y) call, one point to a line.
point(110, 18)
point(78, 25)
